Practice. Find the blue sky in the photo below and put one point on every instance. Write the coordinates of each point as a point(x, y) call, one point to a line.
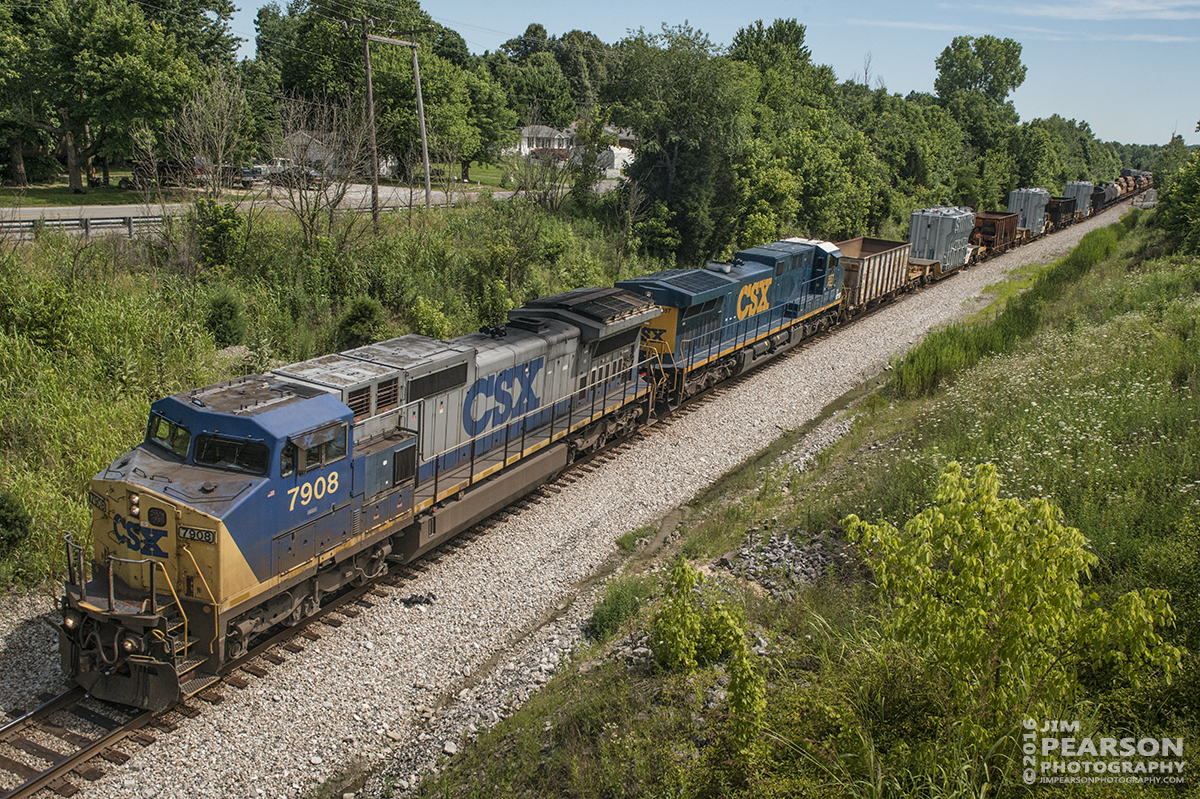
point(1130, 68)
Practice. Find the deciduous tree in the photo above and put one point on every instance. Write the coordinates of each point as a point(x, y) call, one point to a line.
point(103, 68)
point(693, 113)
point(985, 64)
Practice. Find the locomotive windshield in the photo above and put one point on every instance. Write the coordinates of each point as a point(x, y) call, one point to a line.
point(172, 437)
point(228, 453)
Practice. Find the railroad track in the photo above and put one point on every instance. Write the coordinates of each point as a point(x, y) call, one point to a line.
point(73, 738)
point(68, 739)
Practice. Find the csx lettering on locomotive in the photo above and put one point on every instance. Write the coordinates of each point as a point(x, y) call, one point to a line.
point(753, 299)
point(138, 537)
point(513, 392)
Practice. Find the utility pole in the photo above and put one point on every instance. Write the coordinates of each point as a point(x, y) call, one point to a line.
point(367, 39)
point(371, 117)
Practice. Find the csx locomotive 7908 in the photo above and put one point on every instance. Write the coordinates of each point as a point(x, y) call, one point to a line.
point(249, 502)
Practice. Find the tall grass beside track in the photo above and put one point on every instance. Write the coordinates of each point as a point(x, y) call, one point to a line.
point(1082, 390)
point(92, 332)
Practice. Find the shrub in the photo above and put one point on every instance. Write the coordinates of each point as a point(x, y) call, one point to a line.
point(428, 319)
point(220, 232)
point(364, 322)
point(226, 318)
point(15, 523)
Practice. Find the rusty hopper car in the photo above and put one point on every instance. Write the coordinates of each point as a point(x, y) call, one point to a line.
point(875, 269)
point(995, 230)
point(1060, 211)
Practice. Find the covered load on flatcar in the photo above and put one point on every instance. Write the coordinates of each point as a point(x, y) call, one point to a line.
point(942, 234)
point(1081, 192)
point(1030, 207)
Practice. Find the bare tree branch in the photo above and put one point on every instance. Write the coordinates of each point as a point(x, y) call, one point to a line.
point(324, 147)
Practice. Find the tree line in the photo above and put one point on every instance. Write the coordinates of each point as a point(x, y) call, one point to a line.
point(736, 144)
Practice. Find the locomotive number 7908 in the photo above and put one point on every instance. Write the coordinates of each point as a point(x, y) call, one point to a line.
point(314, 490)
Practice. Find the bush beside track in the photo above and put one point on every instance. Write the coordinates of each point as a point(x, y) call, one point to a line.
point(1086, 395)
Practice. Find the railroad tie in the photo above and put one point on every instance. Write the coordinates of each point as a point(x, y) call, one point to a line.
point(211, 696)
point(37, 750)
point(115, 756)
point(63, 788)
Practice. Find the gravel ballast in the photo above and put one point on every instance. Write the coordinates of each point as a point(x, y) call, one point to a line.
point(406, 683)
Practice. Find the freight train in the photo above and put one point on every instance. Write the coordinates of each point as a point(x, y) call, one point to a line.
point(249, 502)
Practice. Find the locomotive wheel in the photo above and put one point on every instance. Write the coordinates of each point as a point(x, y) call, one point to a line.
point(306, 608)
point(235, 647)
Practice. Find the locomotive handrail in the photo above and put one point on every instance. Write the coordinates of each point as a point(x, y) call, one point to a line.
point(110, 560)
point(207, 590)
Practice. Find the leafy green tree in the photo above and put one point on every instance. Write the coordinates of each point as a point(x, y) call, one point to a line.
point(584, 61)
point(494, 121)
point(200, 28)
point(102, 68)
point(1179, 205)
point(538, 90)
point(1169, 163)
point(985, 65)
point(451, 47)
point(769, 47)
point(276, 33)
point(591, 141)
point(522, 48)
point(991, 589)
point(693, 113)
point(14, 51)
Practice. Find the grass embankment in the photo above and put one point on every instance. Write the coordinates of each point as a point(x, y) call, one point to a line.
point(1083, 390)
point(92, 332)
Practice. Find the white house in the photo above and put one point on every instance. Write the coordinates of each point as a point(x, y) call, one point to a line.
point(547, 141)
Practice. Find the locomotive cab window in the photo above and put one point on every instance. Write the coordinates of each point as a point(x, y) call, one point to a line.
point(174, 438)
point(251, 457)
point(325, 453)
point(287, 461)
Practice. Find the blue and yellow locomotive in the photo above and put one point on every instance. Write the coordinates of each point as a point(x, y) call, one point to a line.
point(248, 502)
point(728, 318)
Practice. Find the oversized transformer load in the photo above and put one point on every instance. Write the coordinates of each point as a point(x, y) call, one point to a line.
point(1030, 207)
point(941, 234)
point(1081, 192)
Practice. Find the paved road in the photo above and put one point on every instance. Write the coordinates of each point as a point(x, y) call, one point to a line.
point(358, 196)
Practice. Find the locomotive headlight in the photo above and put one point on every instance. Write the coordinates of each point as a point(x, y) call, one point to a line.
point(71, 621)
point(131, 645)
point(134, 499)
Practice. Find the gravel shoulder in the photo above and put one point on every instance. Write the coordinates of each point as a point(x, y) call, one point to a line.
point(393, 687)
